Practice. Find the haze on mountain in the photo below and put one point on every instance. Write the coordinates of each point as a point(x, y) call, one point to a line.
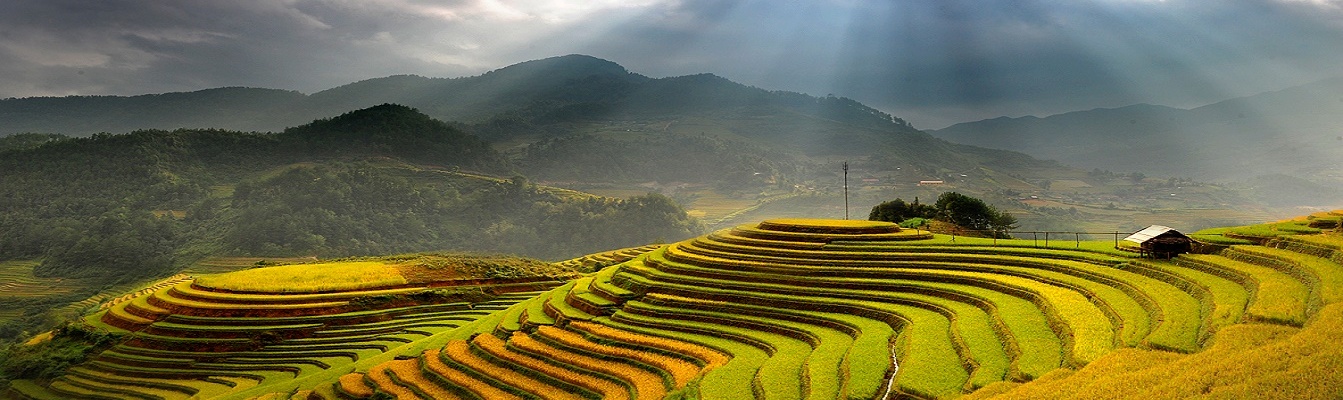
point(931, 62)
point(546, 90)
point(1285, 142)
point(581, 118)
point(530, 102)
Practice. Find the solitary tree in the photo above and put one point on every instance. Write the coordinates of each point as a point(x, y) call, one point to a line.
point(972, 213)
point(898, 211)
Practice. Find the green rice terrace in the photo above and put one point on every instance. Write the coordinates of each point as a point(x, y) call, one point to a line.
point(782, 309)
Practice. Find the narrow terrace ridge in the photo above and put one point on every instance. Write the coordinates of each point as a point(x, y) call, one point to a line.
point(829, 226)
point(827, 230)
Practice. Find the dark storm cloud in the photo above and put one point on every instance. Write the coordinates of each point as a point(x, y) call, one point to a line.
point(948, 60)
point(932, 61)
point(130, 46)
point(982, 59)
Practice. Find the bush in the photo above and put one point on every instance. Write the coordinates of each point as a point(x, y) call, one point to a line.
point(914, 222)
point(70, 345)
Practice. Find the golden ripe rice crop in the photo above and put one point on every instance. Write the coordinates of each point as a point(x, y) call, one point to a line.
point(435, 365)
point(711, 358)
point(307, 278)
point(461, 352)
point(646, 384)
point(680, 370)
point(608, 389)
point(381, 377)
point(353, 384)
point(409, 373)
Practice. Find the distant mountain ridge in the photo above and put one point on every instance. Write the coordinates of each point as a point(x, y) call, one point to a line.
point(233, 108)
point(572, 85)
point(1296, 131)
point(579, 116)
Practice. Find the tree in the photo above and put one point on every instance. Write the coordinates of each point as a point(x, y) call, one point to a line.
point(972, 213)
point(965, 211)
point(1001, 223)
point(898, 211)
point(121, 244)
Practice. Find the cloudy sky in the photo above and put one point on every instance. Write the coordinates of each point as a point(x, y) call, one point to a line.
point(932, 62)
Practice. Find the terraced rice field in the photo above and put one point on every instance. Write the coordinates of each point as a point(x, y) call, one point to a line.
point(189, 339)
point(17, 281)
point(826, 309)
point(219, 265)
point(783, 309)
point(596, 261)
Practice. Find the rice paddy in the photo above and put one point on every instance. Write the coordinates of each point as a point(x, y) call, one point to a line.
point(239, 335)
point(784, 309)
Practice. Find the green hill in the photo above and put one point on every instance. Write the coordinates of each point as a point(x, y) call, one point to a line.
point(477, 163)
point(781, 309)
point(118, 209)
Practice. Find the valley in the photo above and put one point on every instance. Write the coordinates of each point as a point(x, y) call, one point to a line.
point(799, 308)
point(566, 227)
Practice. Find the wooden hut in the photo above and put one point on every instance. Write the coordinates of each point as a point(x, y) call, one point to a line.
point(1158, 241)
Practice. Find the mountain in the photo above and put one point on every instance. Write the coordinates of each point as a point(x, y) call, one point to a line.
point(1294, 131)
point(719, 147)
point(555, 89)
point(234, 108)
point(398, 131)
point(379, 180)
point(543, 108)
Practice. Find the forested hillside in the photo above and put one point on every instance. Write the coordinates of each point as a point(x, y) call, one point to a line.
point(115, 209)
point(374, 181)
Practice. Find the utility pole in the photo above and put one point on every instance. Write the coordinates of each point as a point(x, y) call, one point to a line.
point(846, 190)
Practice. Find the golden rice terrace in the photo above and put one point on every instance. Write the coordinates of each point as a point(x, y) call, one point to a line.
point(791, 309)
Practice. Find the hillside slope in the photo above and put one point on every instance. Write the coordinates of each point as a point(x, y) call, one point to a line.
point(825, 309)
point(782, 309)
point(268, 329)
point(379, 180)
point(1292, 131)
point(565, 98)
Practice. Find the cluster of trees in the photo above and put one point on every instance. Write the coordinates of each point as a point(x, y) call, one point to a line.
point(24, 141)
point(362, 209)
point(130, 206)
point(70, 345)
point(955, 208)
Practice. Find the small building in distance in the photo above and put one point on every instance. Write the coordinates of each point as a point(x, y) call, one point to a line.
point(931, 183)
point(1158, 241)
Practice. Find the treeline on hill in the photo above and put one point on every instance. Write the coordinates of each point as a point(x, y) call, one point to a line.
point(955, 208)
point(373, 181)
point(343, 209)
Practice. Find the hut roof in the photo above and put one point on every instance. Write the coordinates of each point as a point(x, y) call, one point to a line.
point(1152, 232)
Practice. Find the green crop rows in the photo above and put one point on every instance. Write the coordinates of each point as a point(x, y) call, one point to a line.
point(788, 309)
